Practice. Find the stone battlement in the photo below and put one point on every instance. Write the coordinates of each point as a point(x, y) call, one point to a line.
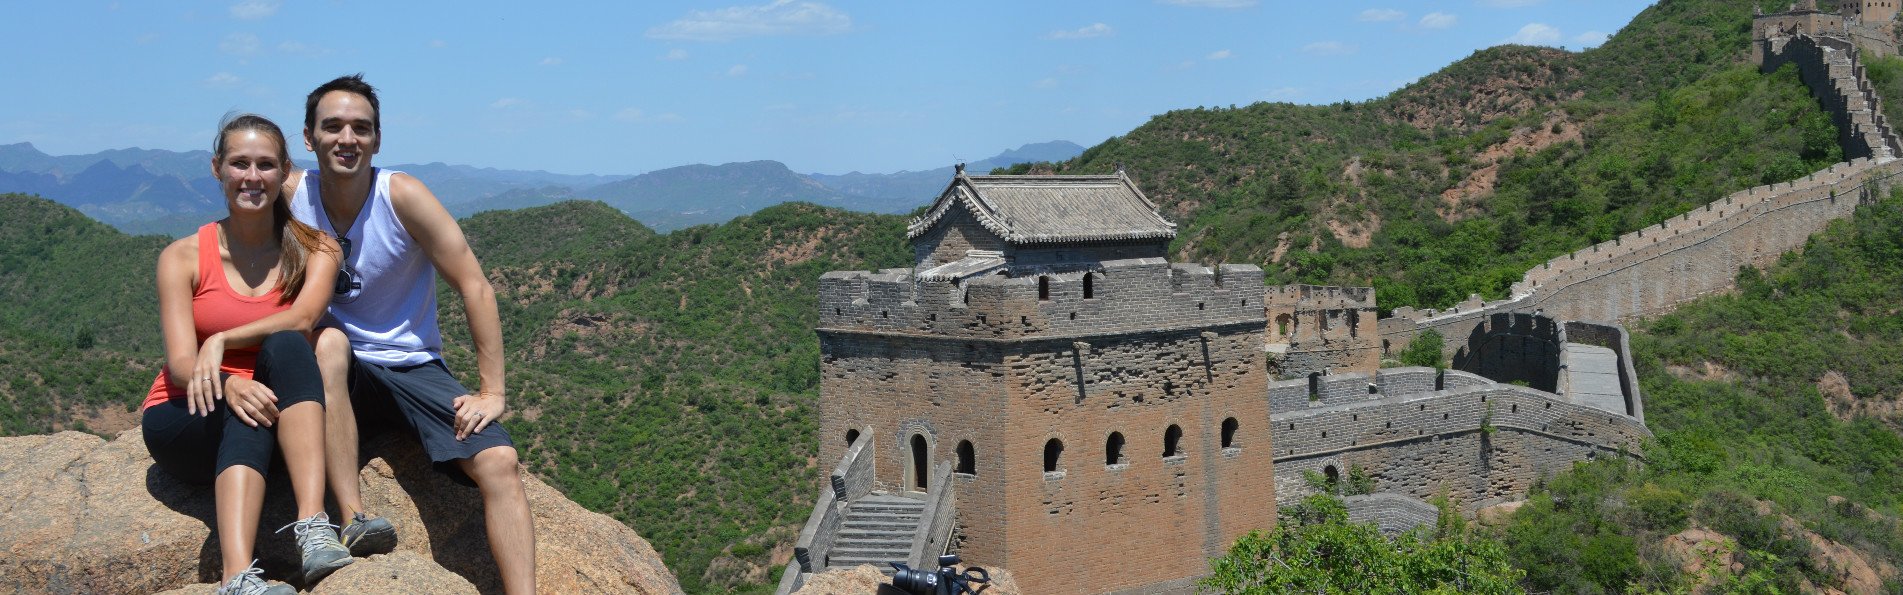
point(1475, 440)
point(1118, 296)
point(1321, 297)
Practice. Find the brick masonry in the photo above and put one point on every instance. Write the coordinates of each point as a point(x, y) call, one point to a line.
point(985, 361)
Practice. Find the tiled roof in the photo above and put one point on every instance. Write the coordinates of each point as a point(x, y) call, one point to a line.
point(1052, 209)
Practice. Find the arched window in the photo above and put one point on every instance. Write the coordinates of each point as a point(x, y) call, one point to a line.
point(1333, 475)
point(1172, 438)
point(851, 437)
point(920, 464)
point(1113, 449)
point(1281, 324)
point(1043, 288)
point(1090, 286)
point(967, 459)
point(1314, 385)
point(1052, 450)
point(1229, 427)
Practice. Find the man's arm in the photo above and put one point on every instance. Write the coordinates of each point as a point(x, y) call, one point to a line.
point(443, 241)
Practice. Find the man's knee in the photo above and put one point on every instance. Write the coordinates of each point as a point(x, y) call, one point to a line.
point(493, 464)
point(332, 347)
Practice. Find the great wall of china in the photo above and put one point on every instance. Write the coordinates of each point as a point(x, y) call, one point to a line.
point(1108, 408)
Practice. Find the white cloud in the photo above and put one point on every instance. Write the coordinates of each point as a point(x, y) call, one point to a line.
point(507, 102)
point(675, 55)
point(1045, 83)
point(1381, 15)
point(1093, 30)
point(1535, 34)
point(1438, 20)
point(551, 61)
point(1591, 38)
point(1329, 48)
point(239, 44)
point(223, 80)
point(630, 114)
point(438, 43)
point(780, 17)
point(301, 49)
point(1210, 3)
point(148, 39)
point(1510, 3)
point(251, 10)
point(1220, 55)
point(738, 70)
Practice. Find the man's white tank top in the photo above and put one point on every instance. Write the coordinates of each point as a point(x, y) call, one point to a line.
point(389, 307)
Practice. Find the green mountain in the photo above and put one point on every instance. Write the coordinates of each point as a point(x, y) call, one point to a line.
point(669, 380)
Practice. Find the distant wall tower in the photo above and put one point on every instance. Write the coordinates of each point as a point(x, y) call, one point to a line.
point(1316, 329)
point(1872, 12)
point(1104, 408)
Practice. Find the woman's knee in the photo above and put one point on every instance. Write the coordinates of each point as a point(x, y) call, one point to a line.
point(283, 341)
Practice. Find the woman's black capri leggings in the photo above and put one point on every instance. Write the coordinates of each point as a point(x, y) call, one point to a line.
point(187, 445)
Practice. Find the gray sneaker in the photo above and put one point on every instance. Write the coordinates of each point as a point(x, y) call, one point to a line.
point(365, 536)
point(317, 540)
point(251, 582)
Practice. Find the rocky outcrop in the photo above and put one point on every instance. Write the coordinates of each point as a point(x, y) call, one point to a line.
point(79, 514)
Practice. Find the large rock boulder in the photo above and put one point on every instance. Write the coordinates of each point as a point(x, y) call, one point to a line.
point(79, 514)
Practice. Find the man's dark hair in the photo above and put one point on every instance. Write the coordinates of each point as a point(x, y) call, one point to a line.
point(352, 83)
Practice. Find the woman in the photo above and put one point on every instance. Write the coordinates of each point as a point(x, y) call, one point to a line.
point(236, 301)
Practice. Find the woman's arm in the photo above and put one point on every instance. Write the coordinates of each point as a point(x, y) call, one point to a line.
point(177, 275)
point(320, 272)
point(320, 277)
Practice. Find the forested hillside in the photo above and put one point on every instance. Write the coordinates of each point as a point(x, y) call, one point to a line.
point(1460, 182)
point(669, 380)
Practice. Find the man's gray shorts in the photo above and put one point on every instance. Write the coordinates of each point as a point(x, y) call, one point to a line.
point(422, 395)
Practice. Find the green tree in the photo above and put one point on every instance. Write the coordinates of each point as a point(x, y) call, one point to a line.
point(1424, 350)
point(1315, 549)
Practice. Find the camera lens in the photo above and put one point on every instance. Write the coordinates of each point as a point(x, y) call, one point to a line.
point(918, 582)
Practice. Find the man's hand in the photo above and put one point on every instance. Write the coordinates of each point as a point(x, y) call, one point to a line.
point(251, 401)
point(475, 412)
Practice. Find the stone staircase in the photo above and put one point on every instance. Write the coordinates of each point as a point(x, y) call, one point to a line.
point(877, 530)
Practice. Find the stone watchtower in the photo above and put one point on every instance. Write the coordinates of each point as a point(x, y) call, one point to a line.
point(1103, 408)
point(1872, 12)
point(1321, 330)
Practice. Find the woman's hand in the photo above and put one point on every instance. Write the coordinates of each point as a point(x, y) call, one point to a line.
point(251, 401)
point(206, 385)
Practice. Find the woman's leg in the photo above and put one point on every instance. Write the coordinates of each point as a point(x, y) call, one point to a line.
point(287, 366)
point(188, 447)
point(240, 498)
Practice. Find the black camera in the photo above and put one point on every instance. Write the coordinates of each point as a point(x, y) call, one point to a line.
point(947, 581)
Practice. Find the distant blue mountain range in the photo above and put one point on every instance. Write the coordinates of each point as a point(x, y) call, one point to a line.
point(171, 192)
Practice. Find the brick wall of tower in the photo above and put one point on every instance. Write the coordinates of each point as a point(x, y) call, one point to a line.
point(989, 361)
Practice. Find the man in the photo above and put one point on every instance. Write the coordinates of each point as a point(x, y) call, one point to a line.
point(383, 348)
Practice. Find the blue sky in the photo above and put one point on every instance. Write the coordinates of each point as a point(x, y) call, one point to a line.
point(824, 86)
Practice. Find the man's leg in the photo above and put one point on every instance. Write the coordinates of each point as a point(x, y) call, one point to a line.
point(340, 421)
point(362, 534)
point(505, 511)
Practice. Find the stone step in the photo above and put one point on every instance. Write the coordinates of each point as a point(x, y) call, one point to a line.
point(875, 533)
point(912, 515)
point(904, 543)
point(885, 569)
